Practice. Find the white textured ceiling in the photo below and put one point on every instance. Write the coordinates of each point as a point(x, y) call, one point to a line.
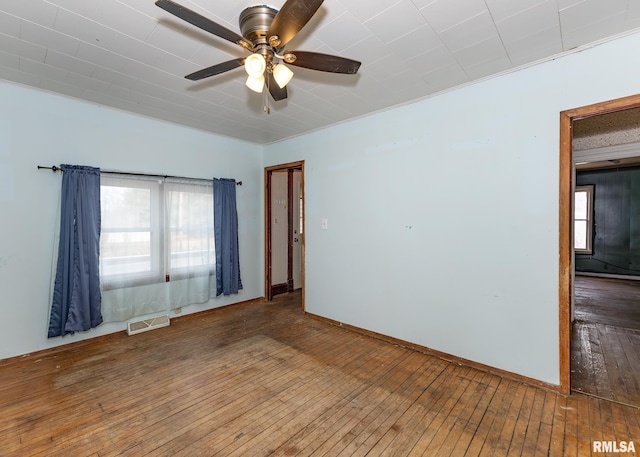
point(132, 55)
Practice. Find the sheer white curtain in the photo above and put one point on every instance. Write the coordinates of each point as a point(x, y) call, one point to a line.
point(190, 242)
point(156, 248)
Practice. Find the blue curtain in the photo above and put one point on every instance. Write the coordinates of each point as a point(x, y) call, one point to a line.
point(76, 294)
point(225, 222)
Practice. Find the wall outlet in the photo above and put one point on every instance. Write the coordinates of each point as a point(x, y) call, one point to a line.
point(324, 223)
point(178, 310)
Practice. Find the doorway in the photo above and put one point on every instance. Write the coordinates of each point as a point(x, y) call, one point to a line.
point(605, 340)
point(566, 254)
point(284, 229)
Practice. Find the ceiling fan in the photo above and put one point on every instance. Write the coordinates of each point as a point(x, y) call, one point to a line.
point(265, 33)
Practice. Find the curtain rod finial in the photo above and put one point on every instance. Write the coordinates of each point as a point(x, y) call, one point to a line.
point(52, 168)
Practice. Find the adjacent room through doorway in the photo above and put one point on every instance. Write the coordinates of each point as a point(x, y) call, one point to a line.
point(605, 306)
point(284, 229)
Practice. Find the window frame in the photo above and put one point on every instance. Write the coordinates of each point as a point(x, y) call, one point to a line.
point(156, 234)
point(589, 189)
point(159, 232)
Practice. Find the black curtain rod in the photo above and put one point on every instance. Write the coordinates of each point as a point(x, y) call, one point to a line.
point(55, 168)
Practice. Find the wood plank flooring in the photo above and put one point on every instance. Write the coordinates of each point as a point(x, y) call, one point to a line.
point(265, 379)
point(614, 302)
point(605, 353)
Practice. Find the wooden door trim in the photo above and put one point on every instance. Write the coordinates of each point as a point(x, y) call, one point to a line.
point(290, 230)
point(289, 167)
point(565, 257)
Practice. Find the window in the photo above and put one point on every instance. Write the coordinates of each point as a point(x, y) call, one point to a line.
point(130, 250)
point(583, 220)
point(154, 230)
point(189, 229)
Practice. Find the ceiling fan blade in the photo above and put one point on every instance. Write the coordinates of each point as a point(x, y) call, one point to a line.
point(323, 62)
point(215, 69)
point(202, 22)
point(276, 92)
point(293, 15)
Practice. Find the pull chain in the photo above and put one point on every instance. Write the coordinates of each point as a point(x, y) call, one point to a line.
point(265, 104)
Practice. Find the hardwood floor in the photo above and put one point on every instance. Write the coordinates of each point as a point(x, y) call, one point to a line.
point(614, 302)
point(605, 353)
point(265, 379)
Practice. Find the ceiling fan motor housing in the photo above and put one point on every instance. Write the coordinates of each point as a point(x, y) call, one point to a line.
point(255, 22)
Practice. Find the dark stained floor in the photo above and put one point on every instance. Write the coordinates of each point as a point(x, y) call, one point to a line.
point(605, 352)
point(614, 302)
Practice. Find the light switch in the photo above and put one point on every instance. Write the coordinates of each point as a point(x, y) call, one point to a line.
point(325, 223)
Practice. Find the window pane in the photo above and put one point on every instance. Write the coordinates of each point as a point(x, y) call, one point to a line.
point(126, 238)
point(580, 205)
point(191, 242)
point(125, 253)
point(125, 207)
point(580, 234)
point(190, 251)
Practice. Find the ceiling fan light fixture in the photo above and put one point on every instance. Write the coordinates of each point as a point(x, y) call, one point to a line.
point(266, 32)
point(282, 74)
point(255, 65)
point(256, 84)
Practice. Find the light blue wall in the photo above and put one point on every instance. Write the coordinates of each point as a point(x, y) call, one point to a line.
point(38, 128)
point(443, 214)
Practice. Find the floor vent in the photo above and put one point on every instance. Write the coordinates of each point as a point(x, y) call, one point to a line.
point(147, 324)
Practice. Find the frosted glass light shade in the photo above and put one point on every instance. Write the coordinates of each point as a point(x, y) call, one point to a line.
point(282, 75)
point(255, 84)
point(255, 65)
